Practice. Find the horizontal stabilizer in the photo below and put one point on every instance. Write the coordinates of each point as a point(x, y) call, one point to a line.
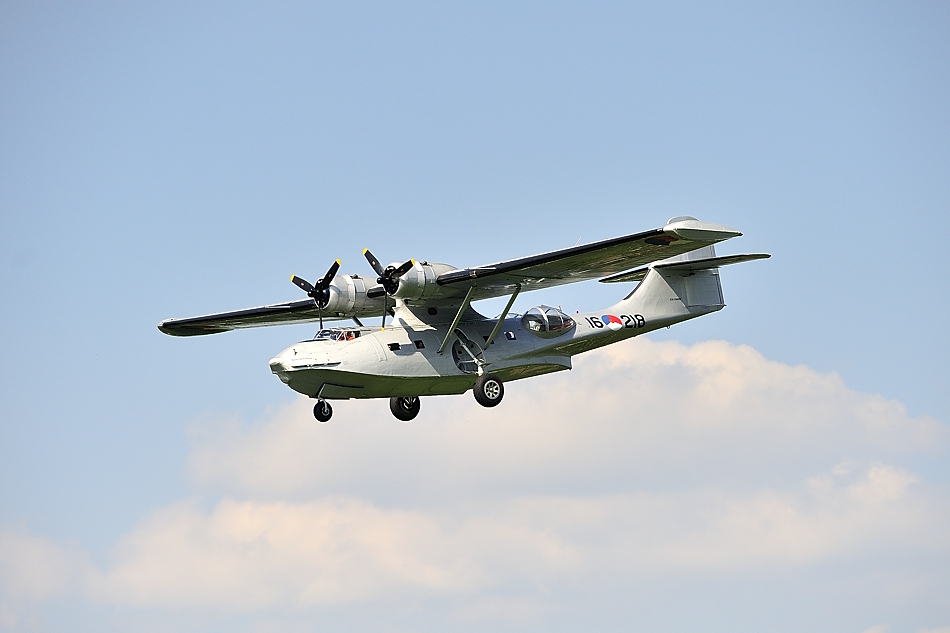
point(696, 264)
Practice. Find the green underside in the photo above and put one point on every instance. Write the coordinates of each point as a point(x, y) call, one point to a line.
point(342, 385)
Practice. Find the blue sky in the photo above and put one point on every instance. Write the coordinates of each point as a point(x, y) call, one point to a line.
point(186, 158)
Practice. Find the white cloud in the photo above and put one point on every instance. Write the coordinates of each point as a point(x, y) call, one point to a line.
point(638, 415)
point(651, 465)
point(32, 569)
point(252, 555)
point(245, 555)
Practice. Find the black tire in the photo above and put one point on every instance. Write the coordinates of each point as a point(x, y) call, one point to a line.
point(404, 408)
point(322, 411)
point(488, 390)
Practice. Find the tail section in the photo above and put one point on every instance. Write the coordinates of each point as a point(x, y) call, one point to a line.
point(701, 287)
point(679, 288)
point(670, 291)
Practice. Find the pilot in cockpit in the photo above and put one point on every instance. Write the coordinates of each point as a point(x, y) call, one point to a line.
point(336, 335)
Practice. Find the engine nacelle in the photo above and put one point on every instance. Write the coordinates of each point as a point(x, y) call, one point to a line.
point(420, 282)
point(348, 292)
point(348, 297)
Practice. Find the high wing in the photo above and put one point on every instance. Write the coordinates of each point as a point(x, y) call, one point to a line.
point(588, 261)
point(302, 311)
point(350, 296)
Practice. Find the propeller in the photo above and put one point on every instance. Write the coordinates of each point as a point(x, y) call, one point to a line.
point(388, 278)
point(319, 292)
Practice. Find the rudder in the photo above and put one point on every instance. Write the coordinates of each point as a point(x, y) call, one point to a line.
point(673, 293)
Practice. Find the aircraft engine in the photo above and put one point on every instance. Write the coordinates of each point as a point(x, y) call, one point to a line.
point(419, 282)
point(348, 297)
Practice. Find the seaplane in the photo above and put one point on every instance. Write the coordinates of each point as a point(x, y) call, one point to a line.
point(436, 343)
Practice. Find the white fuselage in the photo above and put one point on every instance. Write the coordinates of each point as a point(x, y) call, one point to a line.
point(404, 359)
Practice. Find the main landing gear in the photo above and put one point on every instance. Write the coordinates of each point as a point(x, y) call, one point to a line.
point(322, 411)
point(488, 390)
point(404, 408)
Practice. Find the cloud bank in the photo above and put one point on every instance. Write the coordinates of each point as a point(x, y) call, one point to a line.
point(654, 482)
point(639, 415)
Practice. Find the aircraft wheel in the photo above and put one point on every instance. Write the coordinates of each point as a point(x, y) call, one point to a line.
point(488, 390)
point(404, 408)
point(322, 411)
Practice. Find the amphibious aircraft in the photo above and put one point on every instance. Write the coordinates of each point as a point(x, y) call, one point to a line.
point(437, 344)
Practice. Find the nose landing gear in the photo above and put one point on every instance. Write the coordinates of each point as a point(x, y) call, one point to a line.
point(404, 408)
point(322, 411)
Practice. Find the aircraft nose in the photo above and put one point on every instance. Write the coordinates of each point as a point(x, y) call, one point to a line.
point(278, 367)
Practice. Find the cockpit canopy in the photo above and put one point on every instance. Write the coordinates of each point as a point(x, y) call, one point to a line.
point(546, 322)
point(336, 334)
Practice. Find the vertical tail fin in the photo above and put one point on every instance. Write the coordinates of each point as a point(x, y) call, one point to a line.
point(680, 287)
point(673, 290)
point(702, 287)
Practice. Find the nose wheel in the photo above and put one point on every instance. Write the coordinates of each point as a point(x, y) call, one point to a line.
point(404, 408)
point(488, 390)
point(322, 411)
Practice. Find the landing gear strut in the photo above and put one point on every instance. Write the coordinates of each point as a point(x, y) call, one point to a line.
point(404, 408)
point(322, 411)
point(488, 390)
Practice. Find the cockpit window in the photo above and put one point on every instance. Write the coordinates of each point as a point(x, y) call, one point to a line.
point(533, 320)
point(336, 334)
point(546, 322)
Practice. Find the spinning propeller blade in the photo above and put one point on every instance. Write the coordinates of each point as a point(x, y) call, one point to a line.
point(402, 270)
point(388, 279)
point(373, 261)
point(325, 282)
point(389, 276)
point(321, 292)
point(303, 284)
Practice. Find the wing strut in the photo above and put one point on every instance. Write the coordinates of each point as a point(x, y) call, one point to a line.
point(458, 317)
point(504, 315)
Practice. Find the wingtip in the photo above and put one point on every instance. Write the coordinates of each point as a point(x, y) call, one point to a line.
point(689, 228)
point(164, 328)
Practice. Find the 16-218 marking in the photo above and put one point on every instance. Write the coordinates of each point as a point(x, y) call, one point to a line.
point(630, 321)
